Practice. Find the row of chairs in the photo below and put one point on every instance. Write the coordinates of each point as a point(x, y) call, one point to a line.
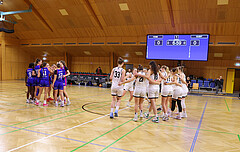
point(87, 79)
point(204, 84)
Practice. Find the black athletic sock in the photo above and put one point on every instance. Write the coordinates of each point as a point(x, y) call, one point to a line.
point(179, 105)
point(173, 105)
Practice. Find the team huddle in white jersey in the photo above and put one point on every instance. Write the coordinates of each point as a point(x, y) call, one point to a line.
point(173, 90)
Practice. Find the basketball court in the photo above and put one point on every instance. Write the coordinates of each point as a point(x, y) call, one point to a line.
point(88, 34)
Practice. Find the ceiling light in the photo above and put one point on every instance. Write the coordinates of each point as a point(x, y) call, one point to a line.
point(18, 17)
point(123, 6)
point(87, 52)
point(139, 53)
point(1, 2)
point(237, 57)
point(218, 55)
point(222, 2)
point(237, 64)
point(63, 11)
point(44, 58)
point(45, 54)
point(125, 60)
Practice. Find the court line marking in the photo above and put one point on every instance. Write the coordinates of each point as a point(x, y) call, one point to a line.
point(68, 138)
point(52, 115)
point(226, 104)
point(125, 135)
point(16, 110)
point(197, 131)
point(48, 121)
point(101, 135)
point(238, 137)
point(61, 132)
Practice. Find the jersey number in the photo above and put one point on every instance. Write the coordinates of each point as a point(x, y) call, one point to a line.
point(44, 73)
point(141, 79)
point(117, 74)
point(30, 74)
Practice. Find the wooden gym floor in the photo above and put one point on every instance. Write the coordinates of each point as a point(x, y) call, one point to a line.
point(213, 124)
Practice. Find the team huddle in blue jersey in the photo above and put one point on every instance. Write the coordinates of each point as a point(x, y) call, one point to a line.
point(41, 76)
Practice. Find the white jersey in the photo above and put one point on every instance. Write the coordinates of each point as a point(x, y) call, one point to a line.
point(140, 81)
point(129, 83)
point(154, 77)
point(184, 87)
point(153, 91)
point(117, 74)
point(140, 86)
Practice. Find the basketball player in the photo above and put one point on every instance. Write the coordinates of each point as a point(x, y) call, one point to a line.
point(139, 91)
point(128, 86)
point(43, 74)
point(177, 93)
point(164, 77)
point(29, 79)
point(58, 85)
point(37, 67)
point(153, 90)
point(167, 91)
point(50, 84)
point(117, 76)
point(66, 73)
point(182, 77)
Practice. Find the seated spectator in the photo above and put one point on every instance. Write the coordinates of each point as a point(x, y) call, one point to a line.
point(219, 84)
point(99, 70)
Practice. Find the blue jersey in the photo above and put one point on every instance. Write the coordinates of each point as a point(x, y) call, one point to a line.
point(44, 74)
point(37, 68)
point(29, 73)
point(59, 73)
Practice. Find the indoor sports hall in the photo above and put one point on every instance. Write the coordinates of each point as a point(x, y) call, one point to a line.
point(119, 75)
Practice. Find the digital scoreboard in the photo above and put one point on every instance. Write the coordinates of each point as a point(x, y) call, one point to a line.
point(178, 47)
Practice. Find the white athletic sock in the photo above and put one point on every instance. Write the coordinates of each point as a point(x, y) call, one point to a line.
point(183, 103)
point(37, 101)
point(68, 99)
point(44, 102)
point(65, 98)
point(117, 108)
point(49, 96)
point(62, 102)
point(136, 114)
point(112, 110)
point(140, 112)
point(156, 115)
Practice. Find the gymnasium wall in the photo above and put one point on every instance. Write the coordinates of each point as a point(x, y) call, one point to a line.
point(90, 64)
point(16, 63)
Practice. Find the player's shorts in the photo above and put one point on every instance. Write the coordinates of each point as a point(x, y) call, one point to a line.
point(44, 83)
point(184, 90)
point(139, 92)
point(153, 92)
point(30, 82)
point(177, 92)
point(117, 91)
point(128, 87)
point(64, 82)
point(167, 91)
point(58, 85)
point(37, 81)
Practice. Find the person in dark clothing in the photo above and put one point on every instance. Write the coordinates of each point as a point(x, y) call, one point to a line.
point(188, 83)
point(99, 70)
point(219, 84)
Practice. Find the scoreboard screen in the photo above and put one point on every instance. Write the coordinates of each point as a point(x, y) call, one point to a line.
point(178, 47)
